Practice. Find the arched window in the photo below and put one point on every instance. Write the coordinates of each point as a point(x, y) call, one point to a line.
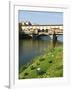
point(38, 30)
point(46, 30)
point(42, 30)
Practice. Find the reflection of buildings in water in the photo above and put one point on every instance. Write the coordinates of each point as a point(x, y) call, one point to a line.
point(54, 43)
point(54, 39)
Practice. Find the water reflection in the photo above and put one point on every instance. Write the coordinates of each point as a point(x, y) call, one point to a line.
point(54, 43)
point(29, 48)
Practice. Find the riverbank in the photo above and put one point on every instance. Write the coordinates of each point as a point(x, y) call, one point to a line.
point(45, 66)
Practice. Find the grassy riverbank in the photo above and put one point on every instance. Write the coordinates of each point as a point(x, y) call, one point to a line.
point(48, 65)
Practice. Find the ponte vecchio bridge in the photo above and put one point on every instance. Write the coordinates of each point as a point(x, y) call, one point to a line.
point(36, 30)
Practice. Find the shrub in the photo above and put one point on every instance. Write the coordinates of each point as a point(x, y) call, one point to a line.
point(23, 78)
point(52, 49)
point(41, 72)
point(26, 73)
point(32, 67)
point(59, 67)
point(38, 63)
point(41, 59)
point(50, 61)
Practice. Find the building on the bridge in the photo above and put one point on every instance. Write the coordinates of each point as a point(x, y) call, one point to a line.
point(29, 28)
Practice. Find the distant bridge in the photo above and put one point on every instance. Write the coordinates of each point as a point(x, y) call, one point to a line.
point(37, 30)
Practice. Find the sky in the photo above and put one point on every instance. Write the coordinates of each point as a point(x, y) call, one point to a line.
point(40, 17)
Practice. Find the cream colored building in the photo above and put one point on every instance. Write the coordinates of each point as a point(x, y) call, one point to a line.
point(42, 29)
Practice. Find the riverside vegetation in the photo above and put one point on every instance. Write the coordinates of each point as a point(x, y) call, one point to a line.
point(47, 65)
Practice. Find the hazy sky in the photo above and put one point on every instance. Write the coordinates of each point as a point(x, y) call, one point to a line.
point(41, 17)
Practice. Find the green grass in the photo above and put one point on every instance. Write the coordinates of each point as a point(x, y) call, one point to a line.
point(50, 64)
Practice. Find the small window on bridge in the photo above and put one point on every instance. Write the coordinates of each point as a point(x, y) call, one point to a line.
point(38, 30)
point(42, 30)
point(46, 30)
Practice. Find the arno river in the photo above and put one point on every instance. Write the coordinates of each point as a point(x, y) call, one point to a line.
point(30, 48)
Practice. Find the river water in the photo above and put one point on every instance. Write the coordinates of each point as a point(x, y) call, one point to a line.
point(30, 48)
